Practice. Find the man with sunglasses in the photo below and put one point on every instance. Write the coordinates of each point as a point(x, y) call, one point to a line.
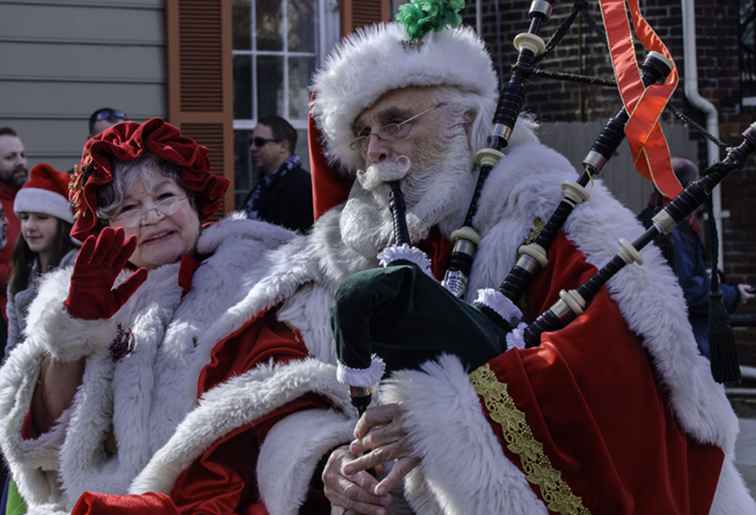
point(282, 194)
point(103, 118)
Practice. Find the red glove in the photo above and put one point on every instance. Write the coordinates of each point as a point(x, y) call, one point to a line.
point(91, 295)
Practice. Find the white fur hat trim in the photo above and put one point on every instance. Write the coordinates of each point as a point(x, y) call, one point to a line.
point(375, 60)
point(37, 200)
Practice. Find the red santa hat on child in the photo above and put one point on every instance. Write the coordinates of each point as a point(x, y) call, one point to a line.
point(46, 191)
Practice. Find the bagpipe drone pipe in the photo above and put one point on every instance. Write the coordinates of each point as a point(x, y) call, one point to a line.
point(572, 303)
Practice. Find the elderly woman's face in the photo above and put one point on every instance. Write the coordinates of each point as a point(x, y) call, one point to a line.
point(158, 213)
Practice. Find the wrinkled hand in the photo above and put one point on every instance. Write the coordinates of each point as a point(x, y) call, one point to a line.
point(351, 492)
point(747, 293)
point(380, 438)
point(91, 295)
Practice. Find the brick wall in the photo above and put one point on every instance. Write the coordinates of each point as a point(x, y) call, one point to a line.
point(584, 51)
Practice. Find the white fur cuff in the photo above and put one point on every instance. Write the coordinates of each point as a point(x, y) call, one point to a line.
point(516, 337)
point(498, 302)
point(291, 452)
point(361, 376)
point(51, 326)
point(406, 253)
point(69, 339)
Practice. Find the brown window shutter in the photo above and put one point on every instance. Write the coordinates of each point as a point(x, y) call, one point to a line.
point(357, 13)
point(200, 88)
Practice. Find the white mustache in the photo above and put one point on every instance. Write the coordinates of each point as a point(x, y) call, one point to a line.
point(380, 173)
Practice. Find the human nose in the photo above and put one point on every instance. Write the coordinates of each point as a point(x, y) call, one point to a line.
point(146, 219)
point(377, 149)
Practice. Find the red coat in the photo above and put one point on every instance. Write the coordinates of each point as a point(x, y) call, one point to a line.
point(9, 232)
point(591, 398)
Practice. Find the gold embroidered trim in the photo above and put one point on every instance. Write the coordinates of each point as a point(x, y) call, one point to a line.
point(520, 440)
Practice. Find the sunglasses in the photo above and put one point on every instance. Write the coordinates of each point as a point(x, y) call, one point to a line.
point(261, 142)
point(110, 115)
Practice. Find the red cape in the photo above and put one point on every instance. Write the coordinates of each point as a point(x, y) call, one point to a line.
point(592, 399)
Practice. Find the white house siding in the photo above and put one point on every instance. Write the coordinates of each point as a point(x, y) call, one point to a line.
point(60, 60)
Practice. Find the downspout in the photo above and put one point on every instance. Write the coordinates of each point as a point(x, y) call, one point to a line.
point(479, 17)
point(694, 97)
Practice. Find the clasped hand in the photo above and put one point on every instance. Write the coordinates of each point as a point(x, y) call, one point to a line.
point(91, 295)
point(379, 438)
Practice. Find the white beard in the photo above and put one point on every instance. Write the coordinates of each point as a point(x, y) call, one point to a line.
point(435, 194)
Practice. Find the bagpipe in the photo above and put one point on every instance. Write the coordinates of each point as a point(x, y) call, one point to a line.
point(398, 316)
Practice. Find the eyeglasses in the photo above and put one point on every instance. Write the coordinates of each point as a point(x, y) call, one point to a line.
point(110, 115)
point(261, 142)
point(133, 216)
point(389, 132)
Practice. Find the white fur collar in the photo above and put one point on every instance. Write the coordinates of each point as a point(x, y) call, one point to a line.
point(525, 185)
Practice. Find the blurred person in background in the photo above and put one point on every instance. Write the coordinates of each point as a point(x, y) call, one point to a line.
point(282, 195)
point(44, 243)
point(103, 118)
point(13, 174)
point(685, 253)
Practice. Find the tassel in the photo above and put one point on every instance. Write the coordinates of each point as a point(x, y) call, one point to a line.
point(722, 351)
point(723, 354)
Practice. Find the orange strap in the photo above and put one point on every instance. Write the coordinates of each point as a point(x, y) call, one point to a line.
point(645, 104)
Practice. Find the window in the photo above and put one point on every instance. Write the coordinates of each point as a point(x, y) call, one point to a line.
point(277, 46)
point(748, 52)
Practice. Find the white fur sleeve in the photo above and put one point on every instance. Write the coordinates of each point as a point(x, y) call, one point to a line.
point(27, 458)
point(291, 452)
point(62, 336)
point(473, 476)
point(732, 496)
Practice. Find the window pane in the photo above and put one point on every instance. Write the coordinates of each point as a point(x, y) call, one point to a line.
point(269, 17)
point(303, 19)
point(300, 74)
point(242, 24)
point(243, 87)
point(302, 150)
point(270, 87)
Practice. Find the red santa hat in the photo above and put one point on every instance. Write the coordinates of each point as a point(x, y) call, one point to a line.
point(46, 191)
point(367, 65)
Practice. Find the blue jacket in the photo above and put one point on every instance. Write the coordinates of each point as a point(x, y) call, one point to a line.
point(688, 262)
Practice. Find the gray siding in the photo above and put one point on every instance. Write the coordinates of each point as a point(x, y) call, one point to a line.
point(61, 60)
point(574, 139)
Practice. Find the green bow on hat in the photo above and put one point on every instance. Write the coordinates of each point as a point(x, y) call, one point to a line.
point(420, 17)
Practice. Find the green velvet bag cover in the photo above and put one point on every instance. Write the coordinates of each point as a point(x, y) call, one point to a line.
point(407, 318)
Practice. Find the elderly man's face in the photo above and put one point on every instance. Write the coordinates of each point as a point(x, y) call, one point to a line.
point(436, 187)
point(396, 107)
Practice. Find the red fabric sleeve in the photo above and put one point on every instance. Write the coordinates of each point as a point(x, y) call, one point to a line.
point(222, 480)
point(592, 400)
point(12, 230)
